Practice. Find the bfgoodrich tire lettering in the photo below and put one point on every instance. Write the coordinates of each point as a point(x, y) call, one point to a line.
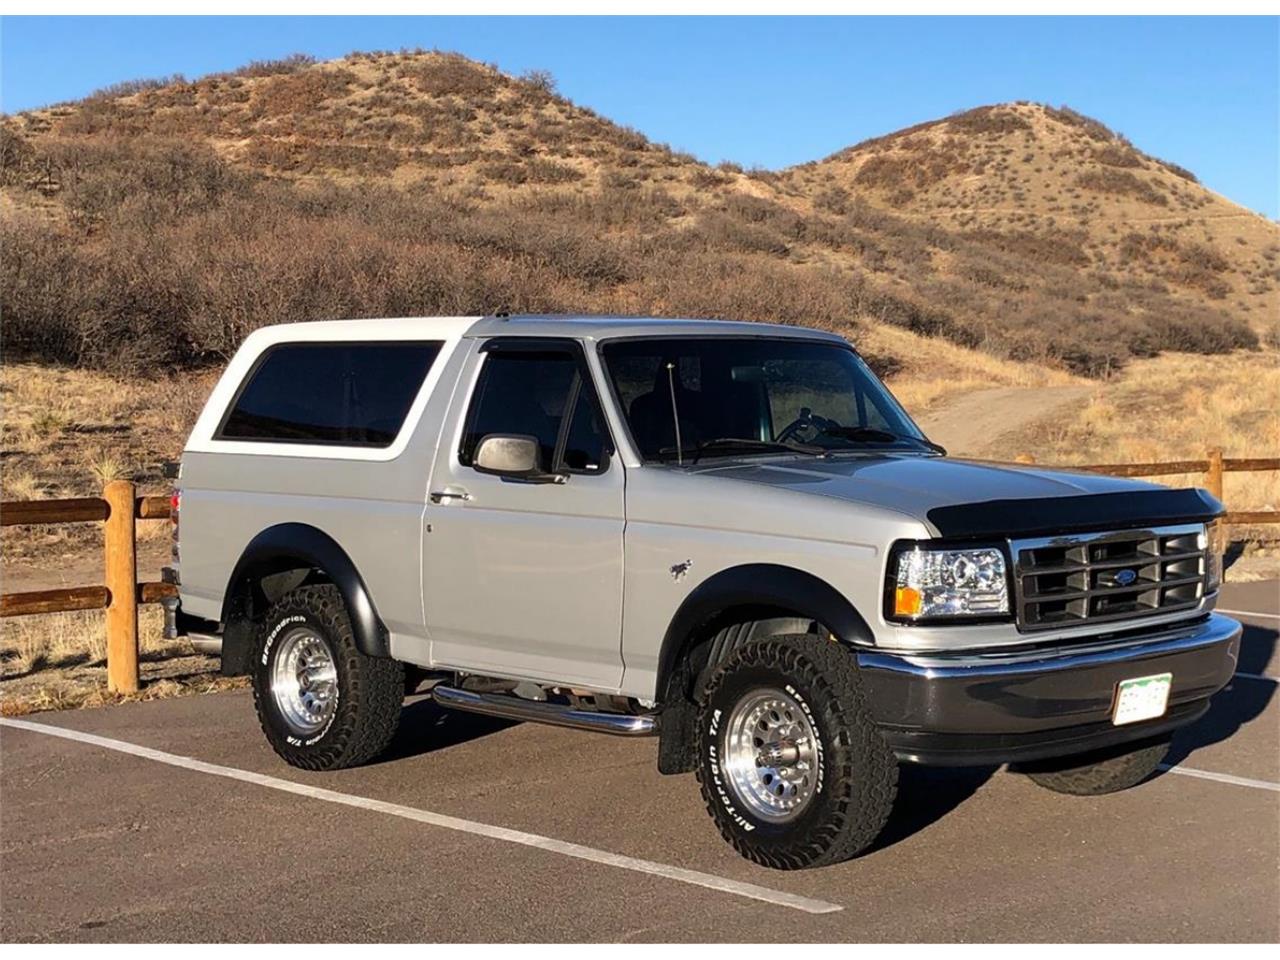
point(362, 702)
point(852, 772)
point(1091, 775)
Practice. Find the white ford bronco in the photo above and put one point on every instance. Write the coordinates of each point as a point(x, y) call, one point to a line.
point(726, 535)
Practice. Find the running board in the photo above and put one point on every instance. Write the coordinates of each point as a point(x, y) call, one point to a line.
point(558, 715)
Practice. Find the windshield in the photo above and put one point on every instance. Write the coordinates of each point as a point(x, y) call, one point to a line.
point(750, 395)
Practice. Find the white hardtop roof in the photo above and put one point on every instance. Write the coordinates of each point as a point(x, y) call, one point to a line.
point(578, 327)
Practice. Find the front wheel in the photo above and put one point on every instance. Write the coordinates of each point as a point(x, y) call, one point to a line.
point(322, 703)
point(1091, 775)
point(791, 765)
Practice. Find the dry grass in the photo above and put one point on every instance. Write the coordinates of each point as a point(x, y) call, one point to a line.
point(929, 372)
point(58, 661)
point(54, 640)
point(66, 432)
point(63, 691)
point(1176, 407)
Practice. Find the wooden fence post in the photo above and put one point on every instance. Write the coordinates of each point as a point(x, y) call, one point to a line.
point(122, 582)
point(1213, 476)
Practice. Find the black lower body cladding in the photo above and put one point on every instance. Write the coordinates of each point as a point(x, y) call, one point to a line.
point(1126, 509)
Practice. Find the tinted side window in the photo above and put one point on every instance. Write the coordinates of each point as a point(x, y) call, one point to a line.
point(584, 437)
point(542, 395)
point(346, 394)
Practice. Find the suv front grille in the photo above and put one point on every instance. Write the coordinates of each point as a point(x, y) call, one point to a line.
point(1098, 577)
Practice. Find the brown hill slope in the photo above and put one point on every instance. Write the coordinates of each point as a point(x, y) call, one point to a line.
point(1002, 172)
point(161, 222)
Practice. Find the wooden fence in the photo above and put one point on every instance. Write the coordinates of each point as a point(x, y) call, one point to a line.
point(120, 508)
point(1213, 466)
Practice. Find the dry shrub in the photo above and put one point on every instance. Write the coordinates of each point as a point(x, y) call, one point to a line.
point(17, 157)
point(988, 120)
point(1117, 155)
point(919, 170)
point(1051, 247)
point(270, 68)
point(707, 178)
point(539, 81)
point(1178, 171)
point(448, 74)
point(1093, 129)
point(1192, 264)
point(300, 93)
point(127, 88)
point(531, 170)
point(1121, 183)
point(720, 230)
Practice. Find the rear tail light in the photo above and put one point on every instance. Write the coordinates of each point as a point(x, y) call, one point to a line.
point(175, 504)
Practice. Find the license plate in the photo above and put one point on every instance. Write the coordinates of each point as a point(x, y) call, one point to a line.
point(1141, 698)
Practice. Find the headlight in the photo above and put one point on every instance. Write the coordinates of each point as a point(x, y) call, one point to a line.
point(1214, 545)
point(943, 583)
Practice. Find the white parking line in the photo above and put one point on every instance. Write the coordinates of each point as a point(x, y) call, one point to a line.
point(1221, 778)
point(1249, 613)
point(680, 874)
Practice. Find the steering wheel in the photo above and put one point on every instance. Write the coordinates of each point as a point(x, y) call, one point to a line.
point(809, 423)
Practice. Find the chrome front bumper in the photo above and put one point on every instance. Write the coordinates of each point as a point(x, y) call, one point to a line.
point(1005, 705)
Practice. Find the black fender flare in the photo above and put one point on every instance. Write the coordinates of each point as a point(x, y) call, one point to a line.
point(294, 545)
point(781, 595)
point(764, 585)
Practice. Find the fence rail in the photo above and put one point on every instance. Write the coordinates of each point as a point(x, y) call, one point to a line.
point(119, 508)
point(1213, 466)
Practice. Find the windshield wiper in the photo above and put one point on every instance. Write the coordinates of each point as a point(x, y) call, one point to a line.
point(875, 435)
point(744, 443)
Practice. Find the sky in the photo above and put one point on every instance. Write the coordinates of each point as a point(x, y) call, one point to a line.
point(768, 92)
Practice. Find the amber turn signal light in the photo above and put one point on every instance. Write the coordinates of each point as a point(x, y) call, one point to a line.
point(906, 602)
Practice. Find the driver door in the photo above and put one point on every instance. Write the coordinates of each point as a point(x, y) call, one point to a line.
point(524, 579)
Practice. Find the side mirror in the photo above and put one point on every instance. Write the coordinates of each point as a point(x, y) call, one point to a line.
point(514, 458)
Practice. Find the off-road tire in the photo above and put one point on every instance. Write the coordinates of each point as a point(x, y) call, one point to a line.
point(1091, 775)
point(370, 689)
point(858, 773)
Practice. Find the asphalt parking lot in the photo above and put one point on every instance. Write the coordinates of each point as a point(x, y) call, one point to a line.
point(172, 820)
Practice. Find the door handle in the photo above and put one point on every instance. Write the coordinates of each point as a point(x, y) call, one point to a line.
point(449, 493)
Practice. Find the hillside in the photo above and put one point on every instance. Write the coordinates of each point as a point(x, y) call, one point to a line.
point(1025, 169)
point(159, 222)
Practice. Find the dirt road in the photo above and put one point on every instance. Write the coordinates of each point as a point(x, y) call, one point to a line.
point(973, 424)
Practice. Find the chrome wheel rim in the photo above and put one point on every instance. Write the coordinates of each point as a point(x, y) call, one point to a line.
point(771, 755)
point(304, 681)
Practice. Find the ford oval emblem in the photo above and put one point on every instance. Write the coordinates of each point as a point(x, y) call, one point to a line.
point(1124, 578)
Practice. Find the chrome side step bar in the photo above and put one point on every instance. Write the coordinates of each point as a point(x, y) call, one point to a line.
point(558, 715)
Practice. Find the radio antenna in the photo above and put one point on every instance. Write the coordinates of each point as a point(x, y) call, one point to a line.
point(675, 412)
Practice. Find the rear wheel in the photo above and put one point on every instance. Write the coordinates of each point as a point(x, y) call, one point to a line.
point(1094, 774)
point(791, 765)
point(322, 703)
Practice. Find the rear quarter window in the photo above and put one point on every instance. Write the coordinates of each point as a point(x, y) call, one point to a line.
point(338, 394)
